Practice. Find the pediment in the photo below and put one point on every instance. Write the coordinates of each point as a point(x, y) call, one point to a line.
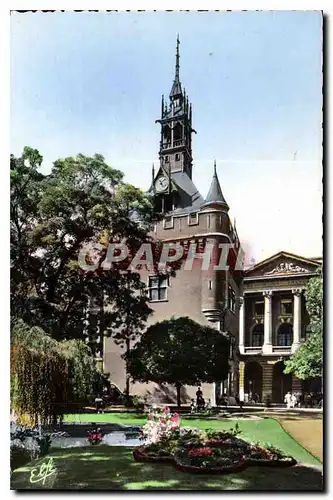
point(283, 264)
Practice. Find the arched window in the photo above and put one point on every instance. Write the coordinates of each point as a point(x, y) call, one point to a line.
point(167, 134)
point(258, 335)
point(178, 132)
point(285, 334)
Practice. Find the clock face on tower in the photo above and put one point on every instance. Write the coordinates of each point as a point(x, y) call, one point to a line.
point(161, 184)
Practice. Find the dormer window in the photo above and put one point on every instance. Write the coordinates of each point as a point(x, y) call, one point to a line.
point(168, 222)
point(193, 219)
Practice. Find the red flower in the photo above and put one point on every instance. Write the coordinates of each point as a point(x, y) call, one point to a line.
point(200, 452)
point(162, 421)
point(95, 436)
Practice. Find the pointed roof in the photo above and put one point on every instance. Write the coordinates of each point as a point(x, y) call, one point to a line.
point(176, 86)
point(215, 195)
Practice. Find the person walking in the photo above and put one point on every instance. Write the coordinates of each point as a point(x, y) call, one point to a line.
point(193, 406)
point(99, 404)
point(287, 399)
point(200, 399)
point(106, 396)
point(293, 400)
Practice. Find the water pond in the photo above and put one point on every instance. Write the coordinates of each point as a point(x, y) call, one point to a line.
point(76, 435)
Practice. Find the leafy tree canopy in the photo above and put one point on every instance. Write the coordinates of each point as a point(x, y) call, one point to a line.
point(307, 362)
point(53, 217)
point(179, 351)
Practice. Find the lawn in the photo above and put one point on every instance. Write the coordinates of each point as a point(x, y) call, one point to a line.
point(113, 467)
point(267, 430)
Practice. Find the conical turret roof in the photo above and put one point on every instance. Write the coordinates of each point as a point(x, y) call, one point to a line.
point(215, 195)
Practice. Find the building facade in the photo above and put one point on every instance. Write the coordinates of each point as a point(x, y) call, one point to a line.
point(273, 322)
point(208, 297)
point(261, 310)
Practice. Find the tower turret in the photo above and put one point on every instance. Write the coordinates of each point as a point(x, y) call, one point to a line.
point(176, 127)
point(216, 205)
point(215, 196)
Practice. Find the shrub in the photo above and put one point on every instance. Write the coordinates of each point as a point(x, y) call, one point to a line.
point(19, 456)
point(44, 442)
point(231, 433)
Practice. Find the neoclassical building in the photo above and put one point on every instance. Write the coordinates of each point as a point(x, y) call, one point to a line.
point(273, 322)
point(261, 310)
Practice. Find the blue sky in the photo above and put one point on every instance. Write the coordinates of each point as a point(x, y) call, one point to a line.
point(92, 82)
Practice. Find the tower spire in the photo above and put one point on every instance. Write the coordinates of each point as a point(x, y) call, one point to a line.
point(177, 59)
point(176, 128)
point(176, 86)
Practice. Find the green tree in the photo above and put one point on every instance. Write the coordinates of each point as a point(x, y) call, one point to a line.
point(53, 217)
point(179, 351)
point(26, 190)
point(48, 377)
point(307, 362)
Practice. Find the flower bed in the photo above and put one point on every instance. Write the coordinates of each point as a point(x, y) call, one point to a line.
point(256, 455)
point(209, 460)
point(269, 457)
point(149, 454)
point(234, 442)
point(198, 451)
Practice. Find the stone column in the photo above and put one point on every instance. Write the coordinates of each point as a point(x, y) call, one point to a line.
point(267, 347)
point(267, 381)
point(241, 324)
point(241, 380)
point(297, 319)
